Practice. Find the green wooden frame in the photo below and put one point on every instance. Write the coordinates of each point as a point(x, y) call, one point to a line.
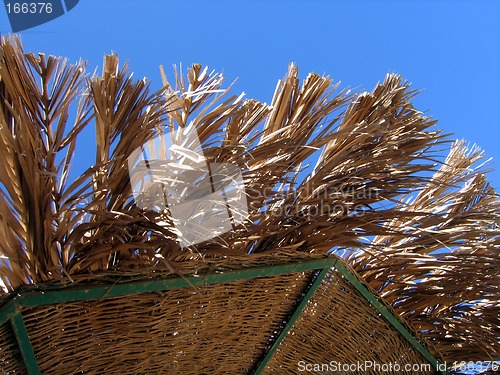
point(11, 310)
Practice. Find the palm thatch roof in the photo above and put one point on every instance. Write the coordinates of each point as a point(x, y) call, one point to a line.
point(421, 230)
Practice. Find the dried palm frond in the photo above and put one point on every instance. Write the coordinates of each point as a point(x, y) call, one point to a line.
point(440, 271)
point(374, 155)
point(37, 148)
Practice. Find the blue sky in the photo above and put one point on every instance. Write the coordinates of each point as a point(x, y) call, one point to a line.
point(451, 49)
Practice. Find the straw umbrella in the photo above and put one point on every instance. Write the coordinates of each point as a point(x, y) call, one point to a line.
point(420, 230)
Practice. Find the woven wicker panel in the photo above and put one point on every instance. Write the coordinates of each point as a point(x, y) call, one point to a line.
point(223, 328)
point(10, 358)
point(338, 324)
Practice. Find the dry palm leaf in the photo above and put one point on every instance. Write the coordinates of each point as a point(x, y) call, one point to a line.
point(440, 269)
